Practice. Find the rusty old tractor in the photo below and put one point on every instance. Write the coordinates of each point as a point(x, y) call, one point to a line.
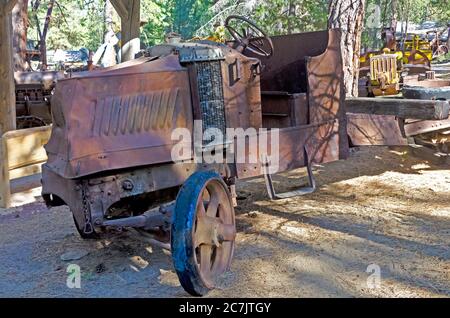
point(109, 155)
point(34, 91)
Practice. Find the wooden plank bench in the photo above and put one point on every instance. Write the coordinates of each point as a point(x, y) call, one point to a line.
point(22, 154)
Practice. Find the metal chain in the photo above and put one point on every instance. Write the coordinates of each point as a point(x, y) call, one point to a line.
point(88, 228)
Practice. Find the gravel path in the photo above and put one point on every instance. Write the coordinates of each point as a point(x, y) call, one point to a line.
point(381, 209)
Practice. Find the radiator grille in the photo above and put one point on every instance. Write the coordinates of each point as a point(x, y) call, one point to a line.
point(210, 88)
point(384, 64)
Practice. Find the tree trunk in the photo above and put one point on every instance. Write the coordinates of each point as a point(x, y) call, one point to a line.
point(448, 35)
point(20, 26)
point(348, 15)
point(7, 95)
point(108, 19)
point(43, 43)
point(291, 14)
point(394, 15)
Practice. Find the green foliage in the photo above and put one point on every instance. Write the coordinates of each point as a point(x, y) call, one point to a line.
point(284, 17)
point(443, 58)
point(81, 23)
point(74, 24)
point(157, 15)
point(411, 11)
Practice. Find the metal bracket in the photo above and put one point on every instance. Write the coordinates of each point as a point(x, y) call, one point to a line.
point(299, 192)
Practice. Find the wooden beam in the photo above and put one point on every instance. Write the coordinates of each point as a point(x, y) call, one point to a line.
point(7, 94)
point(26, 147)
point(130, 19)
point(25, 171)
point(120, 8)
point(5, 190)
point(402, 108)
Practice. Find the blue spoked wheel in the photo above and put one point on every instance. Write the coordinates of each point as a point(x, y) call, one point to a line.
point(203, 232)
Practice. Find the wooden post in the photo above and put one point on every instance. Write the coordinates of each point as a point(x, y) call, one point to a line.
point(5, 190)
point(7, 95)
point(130, 16)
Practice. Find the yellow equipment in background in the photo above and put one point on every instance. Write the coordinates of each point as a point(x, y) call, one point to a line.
point(416, 49)
point(384, 74)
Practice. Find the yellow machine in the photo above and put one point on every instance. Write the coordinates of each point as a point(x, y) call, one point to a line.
point(417, 49)
point(383, 70)
point(384, 74)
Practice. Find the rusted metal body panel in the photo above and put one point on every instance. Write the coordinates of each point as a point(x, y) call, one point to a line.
point(321, 142)
point(366, 130)
point(119, 119)
point(286, 71)
point(326, 91)
point(281, 109)
point(303, 89)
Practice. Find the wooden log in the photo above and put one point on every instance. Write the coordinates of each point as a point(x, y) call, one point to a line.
point(402, 108)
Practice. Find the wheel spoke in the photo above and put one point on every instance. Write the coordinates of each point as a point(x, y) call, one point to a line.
point(213, 205)
point(201, 212)
point(235, 33)
point(205, 258)
point(257, 50)
point(227, 232)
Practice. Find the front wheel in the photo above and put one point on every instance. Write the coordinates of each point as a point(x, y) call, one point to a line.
point(203, 232)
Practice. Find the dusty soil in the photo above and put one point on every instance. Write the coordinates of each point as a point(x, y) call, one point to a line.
point(381, 207)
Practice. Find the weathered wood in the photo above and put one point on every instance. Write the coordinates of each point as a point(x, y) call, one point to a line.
point(25, 171)
point(25, 183)
point(402, 108)
point(377, 130)
point(130, 16)
point(25, 147)
point(21, 155)
point(7, 96)
point(120, 8)
point(5, 191)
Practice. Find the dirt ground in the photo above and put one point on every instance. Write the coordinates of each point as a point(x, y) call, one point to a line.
point(381, 207)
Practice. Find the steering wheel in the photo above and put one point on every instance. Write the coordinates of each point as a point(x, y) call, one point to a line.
point(251, 37)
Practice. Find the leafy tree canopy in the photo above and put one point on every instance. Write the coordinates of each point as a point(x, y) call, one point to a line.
point(81, 23)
